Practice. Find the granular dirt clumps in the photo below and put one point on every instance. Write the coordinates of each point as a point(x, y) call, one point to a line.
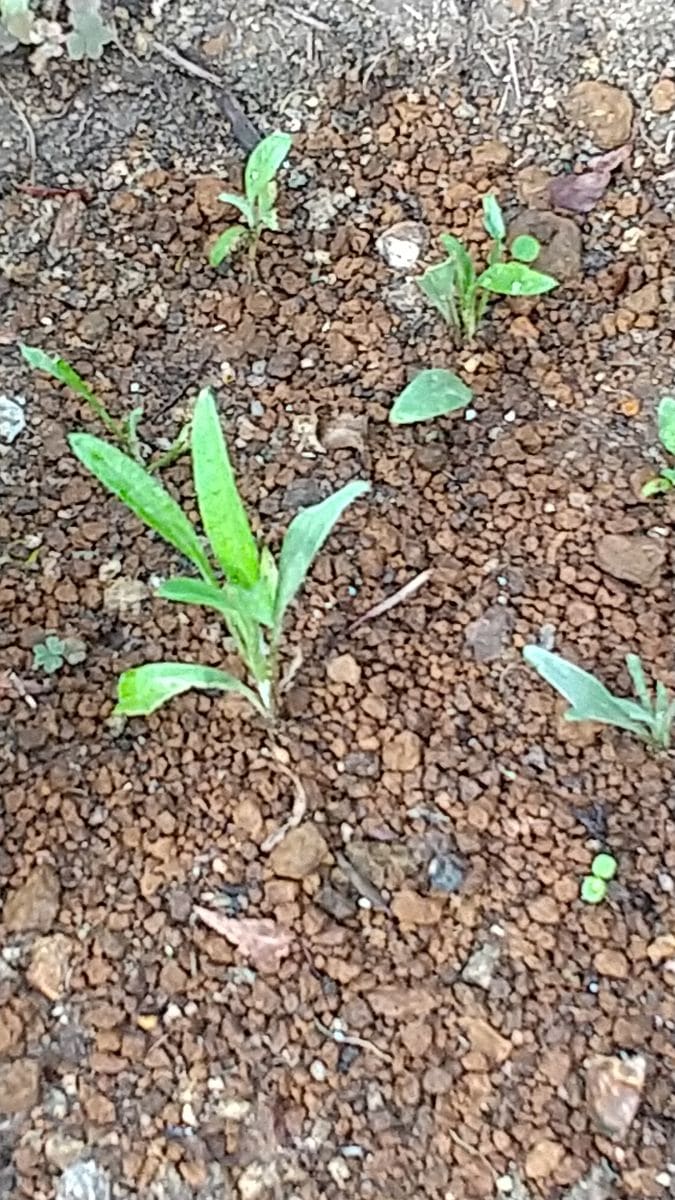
point(446, 997)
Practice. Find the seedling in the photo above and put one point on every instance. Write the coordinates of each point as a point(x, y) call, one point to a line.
point(461, 295)
point(124, 432)
point(258, 205)
point(594, 886)
point(430, 394)
point(650, 719)
point(666, 426)
point(50, 655)
point(253, 597)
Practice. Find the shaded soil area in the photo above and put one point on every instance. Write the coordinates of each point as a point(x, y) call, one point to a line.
point(447, 1018)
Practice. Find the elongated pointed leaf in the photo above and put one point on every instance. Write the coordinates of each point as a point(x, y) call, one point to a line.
point(264, 161)
point(141, 493)
point(493, 218)
point(58, 368)
point(226, 243)
point(439, 286)
point(461, 260)
point(141, 690)
point(590, 699)
point(667, 424)
point(222, 512)
point(240, 203)
point(430, 394)
point(304, 538)
point(515, 279)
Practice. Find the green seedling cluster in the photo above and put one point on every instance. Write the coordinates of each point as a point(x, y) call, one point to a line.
point(649, 718)
point(49, 656)
point(461, 293)
point(594, 886)
point(237, 578)
point(258, 204)
point(125, 431)
point(665, 481)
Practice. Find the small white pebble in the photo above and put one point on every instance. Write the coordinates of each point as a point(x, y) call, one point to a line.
point(504, 1185)
point(171, 1013)
point(364, 902)
point(663, 1179)
point(665, 881)
point(470, 414)
point(346, 831)
point(318, 1070)
point(187, 1115)
point(134, 388)
point(510, 416)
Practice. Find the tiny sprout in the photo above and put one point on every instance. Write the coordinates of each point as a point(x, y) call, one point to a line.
point(525, 248)
point(594, 886)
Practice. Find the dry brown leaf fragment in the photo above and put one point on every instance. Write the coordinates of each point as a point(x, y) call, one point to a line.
point(580, 193)
point(262, 940)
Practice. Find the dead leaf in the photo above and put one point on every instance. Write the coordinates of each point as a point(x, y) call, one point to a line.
point(258, 938)
point(347, 431)
point(67, 225)
point(580, 193)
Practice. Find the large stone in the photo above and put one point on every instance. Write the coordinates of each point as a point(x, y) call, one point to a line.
point(35, 903)
point(604, 111)
point(48, 969)
point(634, 558)
point(300, 853)
point(19, 1086)
point(613, 1091)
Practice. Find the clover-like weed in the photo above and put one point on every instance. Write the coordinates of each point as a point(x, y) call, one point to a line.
point(650, 718)
point(258, 204)
point(238, 579)
point(461, 293)
point(50, 655)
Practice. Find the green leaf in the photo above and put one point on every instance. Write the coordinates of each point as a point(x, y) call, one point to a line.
point(493, 219)
point(639, 680)
point(226, 243)
point(590, 699)
point(240, 203)
point(58, 368)
point(18, 19)
point(525, 248)
point(515, 279)
point(430, 394)
point(593, 890)
point(49, 656)
point(267, 212)
point(222, 512)
point(141, 690)
point(304, 538)
point(263, 163)
point(439, 286)
point(604, 867)
point(460, 258)
point(132, 484)
point(662, 483)
point(236, 606)
point(667, 424)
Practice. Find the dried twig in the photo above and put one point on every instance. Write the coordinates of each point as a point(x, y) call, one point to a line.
point(41, 192)
point(306, 19)
point(243, 129)
point(360, 884)
point(346, 1039)
point(398, 597)
point(30, 132)
point(297, 812)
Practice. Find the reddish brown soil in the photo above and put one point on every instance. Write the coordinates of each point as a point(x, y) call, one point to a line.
point(160, 1025)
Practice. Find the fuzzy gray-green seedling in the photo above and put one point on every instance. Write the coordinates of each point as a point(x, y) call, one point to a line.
point(258, 205)
point(650, 718)
point(237, 578)
point(666, 426)
point(461, 293)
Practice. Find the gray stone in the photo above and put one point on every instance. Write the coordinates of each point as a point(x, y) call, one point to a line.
point(83, 1180)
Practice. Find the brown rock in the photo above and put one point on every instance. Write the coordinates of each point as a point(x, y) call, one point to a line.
point(532, 186)
point(633, 558)
point(49, 963)
point(611, 963)
point(61, 1149)
point(606, 112)
point(658, 951)
point(662, 96)
point(614, 1090)
point(417, 1038)
point(644, 300)
point(300, 853)
point(207, 190)
point(488, 634)
point(544, 910)
point(485, 1039)
point(344, 669)
point(19, 1086)
point(340, 349)
point(11, 1030)
point(35, 904)
point(98, 1108)
point(490, 154)
point(172, 978)
point(560, 240)
point(403, 752)
point(543, 1159)
point(580, 613)
point(436, 1081)
point(105, 1016)
point(412, 909)
point(400, 1003)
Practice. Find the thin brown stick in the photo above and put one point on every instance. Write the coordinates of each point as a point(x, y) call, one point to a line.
point(30, 132)
point(398, 597)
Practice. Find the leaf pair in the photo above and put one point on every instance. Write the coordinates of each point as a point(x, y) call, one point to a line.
point(666, 427)
point(258, 204)
point(255, 594)
point(651, 718)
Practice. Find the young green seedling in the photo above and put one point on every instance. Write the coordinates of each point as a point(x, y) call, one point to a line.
point(666, 426)
point(50, 655)
point(258, 205)
point(430, 394)
point(651, 718)
point(239, 579)
point(461, 294)
point(594, 886)
point(124, 432)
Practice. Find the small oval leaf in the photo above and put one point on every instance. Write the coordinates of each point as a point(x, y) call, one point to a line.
point(515, 279)
point(493, 218)
point(525, 248)
point(226, 244)
point(667, 423)
point(430, 394)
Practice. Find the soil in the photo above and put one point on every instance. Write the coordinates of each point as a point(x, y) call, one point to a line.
point(433, 1012)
